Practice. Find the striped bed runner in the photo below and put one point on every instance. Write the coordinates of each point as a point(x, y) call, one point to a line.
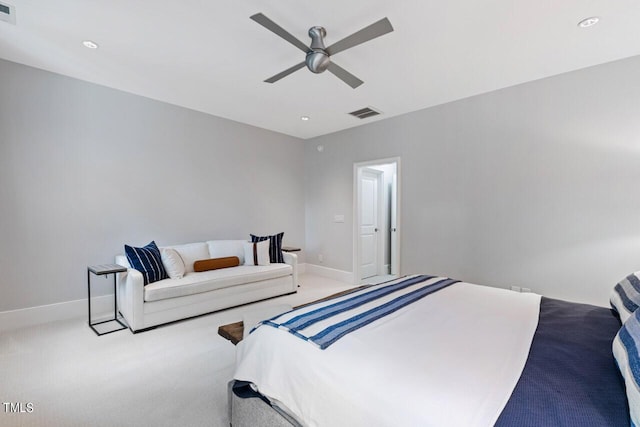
point(331, 321)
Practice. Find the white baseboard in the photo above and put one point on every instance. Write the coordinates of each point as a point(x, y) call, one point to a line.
point(330, 273)
point(16, 319)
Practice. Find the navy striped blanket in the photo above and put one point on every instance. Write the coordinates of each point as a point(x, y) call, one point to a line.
point(324, 323)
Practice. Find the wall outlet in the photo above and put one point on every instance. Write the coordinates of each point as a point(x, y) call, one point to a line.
point(525, 290)
point(516, 288)
point(320, 258)
point(338, 218)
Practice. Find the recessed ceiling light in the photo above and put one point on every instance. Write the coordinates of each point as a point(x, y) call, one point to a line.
point(304, 118)
point(588, 22)
point(89, 44)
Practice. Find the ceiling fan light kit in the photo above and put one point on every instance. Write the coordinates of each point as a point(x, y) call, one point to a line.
point(318, 57)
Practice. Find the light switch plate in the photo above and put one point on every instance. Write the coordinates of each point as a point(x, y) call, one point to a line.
point(338, 218)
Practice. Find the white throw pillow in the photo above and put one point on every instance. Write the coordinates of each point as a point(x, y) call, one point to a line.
point(190, 253)
point(256, 253)
point(172, 263)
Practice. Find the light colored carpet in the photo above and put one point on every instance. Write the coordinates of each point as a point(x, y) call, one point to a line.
point(175, 375)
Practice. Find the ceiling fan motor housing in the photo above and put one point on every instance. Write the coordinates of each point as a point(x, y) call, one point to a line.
point(317, 59)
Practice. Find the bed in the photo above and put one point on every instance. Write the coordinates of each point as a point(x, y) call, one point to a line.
point(432, 351)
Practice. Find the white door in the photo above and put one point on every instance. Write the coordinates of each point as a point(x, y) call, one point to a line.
point(394, 225)
point(369, 227)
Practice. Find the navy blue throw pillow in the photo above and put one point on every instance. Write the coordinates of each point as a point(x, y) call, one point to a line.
point(147, 261)
point(275, 246)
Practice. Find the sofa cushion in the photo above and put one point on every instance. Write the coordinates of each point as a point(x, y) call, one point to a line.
point(193, 283)
point(190, 253)
point(172, 262)
point(225, 248)
point(256, 253)
point(275, 245)
point(146, 260)
point(215, 263)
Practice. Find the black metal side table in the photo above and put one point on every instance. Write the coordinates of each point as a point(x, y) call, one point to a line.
point(102, 270)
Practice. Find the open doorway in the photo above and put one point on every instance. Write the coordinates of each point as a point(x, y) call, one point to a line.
point(376, 248)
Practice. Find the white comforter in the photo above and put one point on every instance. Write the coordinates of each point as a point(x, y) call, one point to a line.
point(450, 359)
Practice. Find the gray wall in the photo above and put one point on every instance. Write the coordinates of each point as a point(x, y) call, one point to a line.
point(535, 185)
point(85, 169)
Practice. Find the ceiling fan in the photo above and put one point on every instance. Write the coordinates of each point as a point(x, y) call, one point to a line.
point(318, 57)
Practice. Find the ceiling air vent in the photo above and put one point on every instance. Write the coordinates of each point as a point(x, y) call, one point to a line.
point(364, 113)
point(7, 13)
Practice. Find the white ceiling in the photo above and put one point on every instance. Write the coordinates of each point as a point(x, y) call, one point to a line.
point(209, 56)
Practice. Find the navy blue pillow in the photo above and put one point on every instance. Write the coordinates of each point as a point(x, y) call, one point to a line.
point(147, 261)
point(275, 246)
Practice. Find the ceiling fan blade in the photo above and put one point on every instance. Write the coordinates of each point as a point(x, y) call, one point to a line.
point(272, 26)
point(285, 73)
point(374, 30)
point(344, 75)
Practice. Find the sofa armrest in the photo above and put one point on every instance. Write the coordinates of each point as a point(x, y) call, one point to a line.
point(292, 260)
point(130, 286)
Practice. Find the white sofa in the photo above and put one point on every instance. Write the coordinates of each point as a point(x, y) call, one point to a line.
point(197, 293)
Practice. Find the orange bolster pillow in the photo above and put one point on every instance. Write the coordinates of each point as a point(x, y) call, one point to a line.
point(216, 263)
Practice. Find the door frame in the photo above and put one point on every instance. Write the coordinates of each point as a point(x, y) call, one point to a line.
point(357, 166)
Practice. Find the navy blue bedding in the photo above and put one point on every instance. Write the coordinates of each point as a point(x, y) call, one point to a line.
point(570, 378)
